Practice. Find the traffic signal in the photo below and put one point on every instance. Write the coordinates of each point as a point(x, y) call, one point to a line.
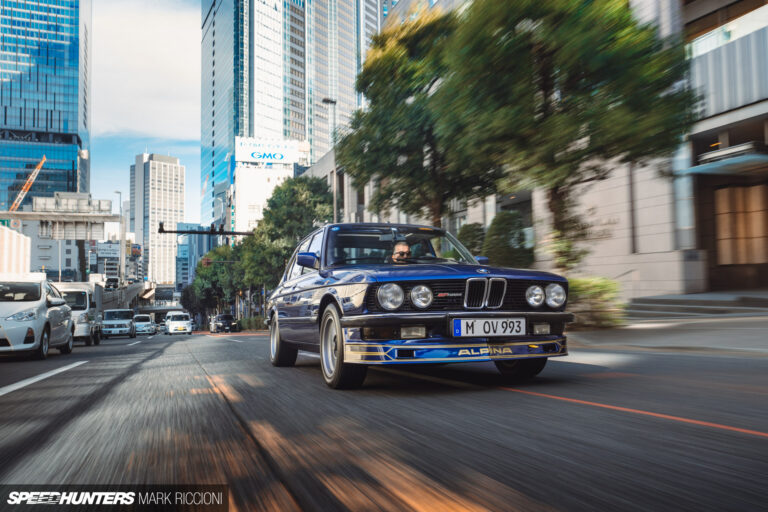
point(206, 262)
point(213, 227)
point(161, 229)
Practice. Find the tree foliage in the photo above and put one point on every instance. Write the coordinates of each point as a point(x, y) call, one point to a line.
point(472, 236)
point(295, 208)
point(394, 142)
point(504, 243)
point(560, 92)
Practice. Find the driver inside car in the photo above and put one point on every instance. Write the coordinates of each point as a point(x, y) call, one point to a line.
point(401, 253)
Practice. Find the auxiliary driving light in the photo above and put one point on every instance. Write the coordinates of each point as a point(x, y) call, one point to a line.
point(540, 328)
point(413, 331)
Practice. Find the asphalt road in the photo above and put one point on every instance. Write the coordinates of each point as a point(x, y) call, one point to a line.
point(598, 430)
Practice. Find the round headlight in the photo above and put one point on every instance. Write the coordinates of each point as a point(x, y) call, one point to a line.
point(390, 296)
point(555, 295)
point(421, 296)
point(535, 296)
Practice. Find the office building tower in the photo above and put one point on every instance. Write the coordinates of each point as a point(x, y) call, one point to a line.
point(157, 195)
point(288, 57)
point(45, 86)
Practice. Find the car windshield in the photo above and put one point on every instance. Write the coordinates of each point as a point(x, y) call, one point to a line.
point(118, 315)
point(143, 319)
point(78, 301)
point(227, 318)
point(19, 292)
point(178, 318)
point(393, 245)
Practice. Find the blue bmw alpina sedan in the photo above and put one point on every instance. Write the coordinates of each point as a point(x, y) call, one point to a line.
point(395, 294)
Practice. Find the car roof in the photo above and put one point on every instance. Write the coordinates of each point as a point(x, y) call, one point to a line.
point(382, 225)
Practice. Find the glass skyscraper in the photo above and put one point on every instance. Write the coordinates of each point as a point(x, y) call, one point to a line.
point(266, 67)
point(45, 62)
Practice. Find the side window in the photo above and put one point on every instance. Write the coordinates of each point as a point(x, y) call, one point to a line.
point(314, 247)
point(47, 290)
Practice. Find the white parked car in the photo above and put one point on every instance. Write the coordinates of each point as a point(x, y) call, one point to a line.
point(144, 324)
point(33, 316)
point(178, 323)
point(118, 322)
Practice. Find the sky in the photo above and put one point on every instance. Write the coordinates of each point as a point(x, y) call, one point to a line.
point(145, 92)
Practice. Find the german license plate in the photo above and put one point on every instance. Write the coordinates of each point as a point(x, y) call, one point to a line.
point(487, 327)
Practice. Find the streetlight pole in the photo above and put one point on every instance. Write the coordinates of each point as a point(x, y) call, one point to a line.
point(121, 272)
point(332, 103)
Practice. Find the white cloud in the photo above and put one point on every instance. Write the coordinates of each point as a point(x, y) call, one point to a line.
point(146, 78)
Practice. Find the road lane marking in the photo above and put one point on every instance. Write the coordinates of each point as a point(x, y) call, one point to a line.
point(150, 337)
point(233, 339)
point(26, 382)
point(134, 343)
point(644, 413)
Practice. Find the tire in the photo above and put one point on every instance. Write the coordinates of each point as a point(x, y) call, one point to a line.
point(521, 369)
point(280, 353)
point(97, 338)
point(67, 347)
point(132, 334)
point(189, 333)
point(336, 373)
point(45, 344)
point(89, 340)
point(105, 337)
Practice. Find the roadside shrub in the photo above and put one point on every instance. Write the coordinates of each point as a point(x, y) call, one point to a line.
point(472, 237)
point(251, 324)
point(595, 302)
point(504, 243)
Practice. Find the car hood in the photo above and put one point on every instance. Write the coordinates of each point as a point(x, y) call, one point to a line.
point(421, 272)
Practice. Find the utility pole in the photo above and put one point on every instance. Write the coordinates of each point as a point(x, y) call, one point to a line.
point(332, 103)
point(120, 272)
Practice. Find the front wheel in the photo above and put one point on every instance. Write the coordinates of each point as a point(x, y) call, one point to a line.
point(97, 338)
point(280, 353)
point(336, 373)
point(67, 349)
point(521, 369)
point(42, 351)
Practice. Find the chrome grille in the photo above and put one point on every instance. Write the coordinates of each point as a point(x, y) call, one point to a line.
point(475, 294)
point(497, 287)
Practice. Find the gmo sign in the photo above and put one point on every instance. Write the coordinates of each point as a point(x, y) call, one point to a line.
point(267, 156)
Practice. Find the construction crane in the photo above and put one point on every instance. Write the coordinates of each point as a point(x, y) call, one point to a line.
point(27, 186)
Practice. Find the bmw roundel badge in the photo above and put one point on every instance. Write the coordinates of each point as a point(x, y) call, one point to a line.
point(483, 271)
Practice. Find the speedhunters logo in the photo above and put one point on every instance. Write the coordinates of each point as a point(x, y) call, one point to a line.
point(208, 498)
point(71, 498)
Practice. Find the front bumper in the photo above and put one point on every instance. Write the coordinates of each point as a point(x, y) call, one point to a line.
point(14, 336)
point(440, 347)
point(82, 330)
point(116, 331)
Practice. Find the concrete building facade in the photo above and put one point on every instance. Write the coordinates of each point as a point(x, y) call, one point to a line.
point(157, 195)
point(16, 254)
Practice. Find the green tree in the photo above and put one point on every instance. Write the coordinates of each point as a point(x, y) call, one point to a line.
point(504, 243)
point(393, 142)
point(472, 236)
point(559, 93)
point(296, 207)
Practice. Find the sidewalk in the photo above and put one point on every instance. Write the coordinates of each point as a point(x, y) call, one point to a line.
point(749, 334)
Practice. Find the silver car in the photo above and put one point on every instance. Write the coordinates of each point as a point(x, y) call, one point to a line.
point(33, 316)
point(118, 322)
point(144, 324)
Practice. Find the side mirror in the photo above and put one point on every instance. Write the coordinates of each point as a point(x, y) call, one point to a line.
point(307, 259)
point(55, 302)
point(482, 260)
